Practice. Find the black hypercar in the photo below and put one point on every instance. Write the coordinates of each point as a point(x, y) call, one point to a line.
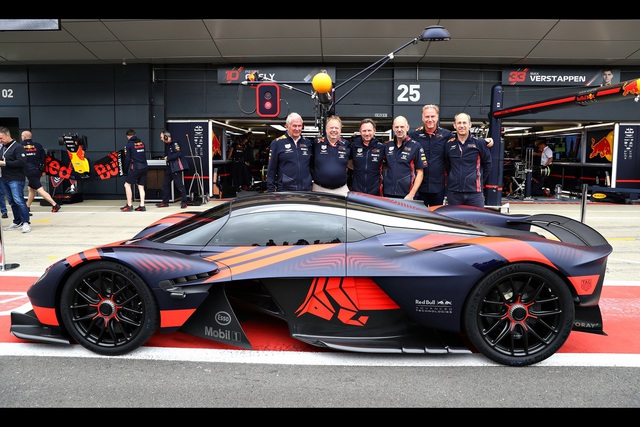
point(357, 273)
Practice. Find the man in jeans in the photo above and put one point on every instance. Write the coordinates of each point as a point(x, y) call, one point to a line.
point(12, 167)
point(3, 203)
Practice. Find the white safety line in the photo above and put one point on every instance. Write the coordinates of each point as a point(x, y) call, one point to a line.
point(311, 358)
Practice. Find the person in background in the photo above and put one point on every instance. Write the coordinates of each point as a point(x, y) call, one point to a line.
point(330, 159)
point(172, 151)
point(262, 165)
point(367, 154)
point(35, 170)
point(433, 139)
point(13, 164)
point(545, 153)
point(289, 167)
point(241, 157)
point(250, 143)
point(467, 163)
point(3, 203)
point(135, 155)
point(404, 163)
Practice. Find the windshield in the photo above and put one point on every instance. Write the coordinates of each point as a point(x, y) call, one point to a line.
point(195, 231)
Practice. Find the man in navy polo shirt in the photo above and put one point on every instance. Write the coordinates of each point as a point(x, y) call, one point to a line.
point(404, 163)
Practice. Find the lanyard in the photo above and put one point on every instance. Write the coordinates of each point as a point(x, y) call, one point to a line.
point(5, 149)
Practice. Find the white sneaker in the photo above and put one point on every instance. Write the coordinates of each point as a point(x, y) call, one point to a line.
point(26, 228)
point(13, 226)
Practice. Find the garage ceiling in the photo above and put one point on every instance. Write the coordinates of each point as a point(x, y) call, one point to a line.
point(518, 42)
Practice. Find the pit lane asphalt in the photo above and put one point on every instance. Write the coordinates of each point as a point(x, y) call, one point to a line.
point(87, 224)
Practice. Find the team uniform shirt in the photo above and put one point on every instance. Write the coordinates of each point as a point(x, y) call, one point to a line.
point(35, 157)
point(173, 151)
point(242, 154)
point(135, 154)
point(263, 156)
point(434, 147)
point(367, 166)
point(330, 163)
point(289, 166)
point(468, 165)
point(401, 163)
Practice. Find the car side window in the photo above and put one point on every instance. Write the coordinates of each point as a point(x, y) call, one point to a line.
point(282, 228)
point(358, 230)
point(195, 231)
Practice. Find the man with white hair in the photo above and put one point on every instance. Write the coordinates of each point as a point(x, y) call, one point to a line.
point(289, 167)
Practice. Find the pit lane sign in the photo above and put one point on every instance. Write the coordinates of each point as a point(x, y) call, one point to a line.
point(555, 77)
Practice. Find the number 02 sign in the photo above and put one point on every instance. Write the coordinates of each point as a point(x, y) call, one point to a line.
point(13, 95)
point(6, 93)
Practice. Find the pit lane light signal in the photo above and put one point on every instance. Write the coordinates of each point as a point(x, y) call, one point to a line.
point(268, 100)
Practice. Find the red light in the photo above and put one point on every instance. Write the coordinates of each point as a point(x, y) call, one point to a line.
point(268, 99)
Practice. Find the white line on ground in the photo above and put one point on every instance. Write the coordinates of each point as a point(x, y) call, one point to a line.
point(311, 358)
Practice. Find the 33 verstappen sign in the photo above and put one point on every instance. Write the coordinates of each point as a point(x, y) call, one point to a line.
point(554, 77)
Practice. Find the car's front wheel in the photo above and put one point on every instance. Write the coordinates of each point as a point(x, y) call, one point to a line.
point(107, 308)
point(519, 315)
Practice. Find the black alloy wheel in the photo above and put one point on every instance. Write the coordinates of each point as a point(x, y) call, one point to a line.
point(108, 309)
point(519, 315)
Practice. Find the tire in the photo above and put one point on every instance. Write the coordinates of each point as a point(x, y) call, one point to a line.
point(108, 309)
point(519, 315)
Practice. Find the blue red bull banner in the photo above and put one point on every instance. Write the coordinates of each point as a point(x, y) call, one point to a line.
point(628, 157)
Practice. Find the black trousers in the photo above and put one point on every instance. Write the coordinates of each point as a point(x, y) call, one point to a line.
point(240, 175)
point(177, 182)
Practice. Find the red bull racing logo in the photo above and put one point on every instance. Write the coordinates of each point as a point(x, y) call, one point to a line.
point(602, 148)
point(631, 88)
point(586, 99)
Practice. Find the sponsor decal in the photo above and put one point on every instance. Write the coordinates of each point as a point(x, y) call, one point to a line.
point(587, 325)
point(222, 334)
point(434, 306)
point(586, 99)
point(223, 318)
point(632, 88)
point(603, 148)
point(586, 284)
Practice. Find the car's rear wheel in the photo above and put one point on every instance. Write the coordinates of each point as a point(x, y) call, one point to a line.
point(107, 308)
point(519, 315)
